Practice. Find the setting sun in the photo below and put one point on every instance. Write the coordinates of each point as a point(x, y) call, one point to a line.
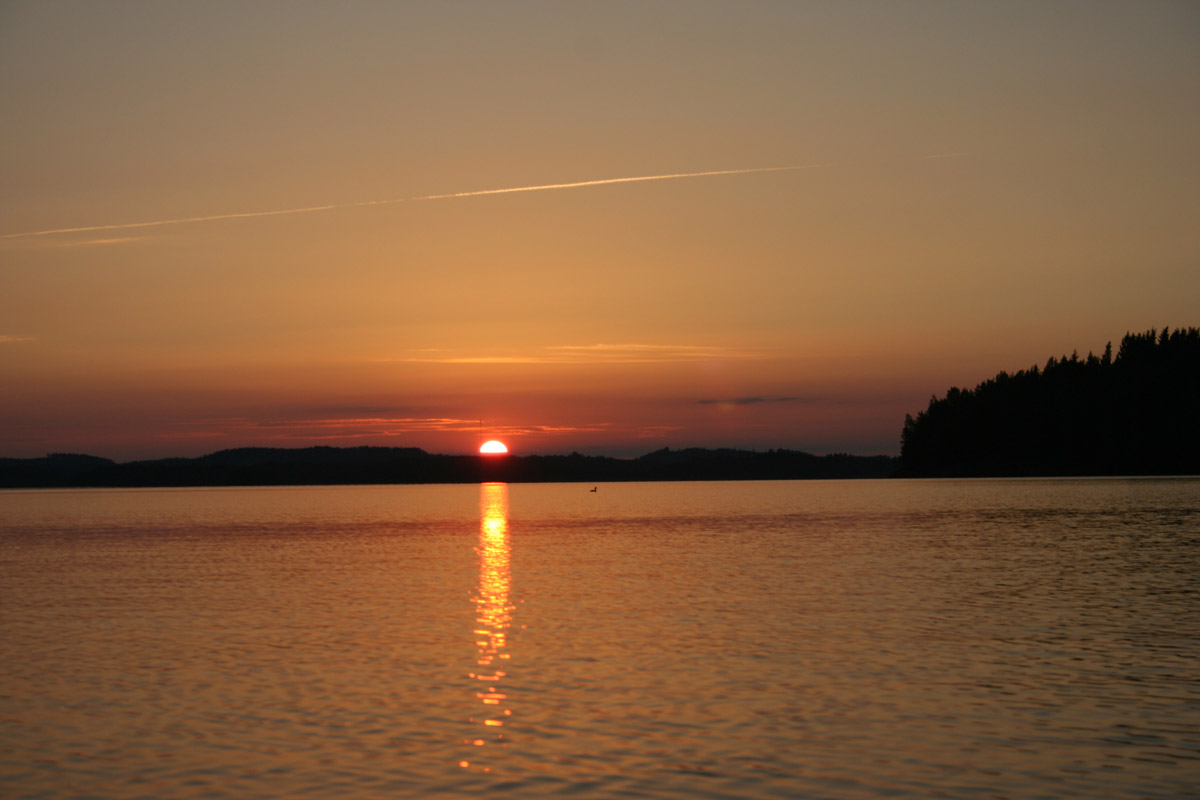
point(493, 447)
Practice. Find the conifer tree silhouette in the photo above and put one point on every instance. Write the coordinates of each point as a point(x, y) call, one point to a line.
point(1134, 413)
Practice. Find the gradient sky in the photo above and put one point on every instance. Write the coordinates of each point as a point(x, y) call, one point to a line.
point(983, 185)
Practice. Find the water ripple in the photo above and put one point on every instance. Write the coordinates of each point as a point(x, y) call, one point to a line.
point(1016, 639)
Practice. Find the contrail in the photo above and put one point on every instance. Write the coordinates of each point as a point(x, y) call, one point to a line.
point(579, 184)
point(362, 203)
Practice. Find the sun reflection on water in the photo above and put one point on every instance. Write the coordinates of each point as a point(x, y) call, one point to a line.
point(493, 617)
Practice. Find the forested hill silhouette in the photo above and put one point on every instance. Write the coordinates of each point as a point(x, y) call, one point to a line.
point(1135, 413)
point(257, 466)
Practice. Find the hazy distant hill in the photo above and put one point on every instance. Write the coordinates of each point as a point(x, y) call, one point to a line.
point(56, 469)
point(363, 465)
point(1134, 413)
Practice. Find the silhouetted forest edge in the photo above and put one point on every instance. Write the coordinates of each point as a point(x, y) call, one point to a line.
point(1135, 412)
point(256, 466)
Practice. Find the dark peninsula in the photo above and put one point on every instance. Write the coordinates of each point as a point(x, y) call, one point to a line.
point(375, 465)
point(1133, 413)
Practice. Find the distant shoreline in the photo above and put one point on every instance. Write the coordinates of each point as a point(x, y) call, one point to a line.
point(335, 466)
point(321, 466)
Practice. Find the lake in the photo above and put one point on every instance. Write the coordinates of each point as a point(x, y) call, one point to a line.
point(816, 639)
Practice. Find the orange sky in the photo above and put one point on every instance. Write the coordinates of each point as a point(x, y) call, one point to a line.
point(983, 185)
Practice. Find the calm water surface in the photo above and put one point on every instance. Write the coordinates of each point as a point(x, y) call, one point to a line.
point(991, 639)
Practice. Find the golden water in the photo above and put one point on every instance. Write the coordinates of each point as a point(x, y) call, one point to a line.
point(780, 639)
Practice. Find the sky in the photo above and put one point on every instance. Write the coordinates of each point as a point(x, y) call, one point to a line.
point(229, 224)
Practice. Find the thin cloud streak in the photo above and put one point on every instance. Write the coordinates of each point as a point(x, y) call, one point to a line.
point(315, 429)
point(322, 429)
point(750, 401)
point(101, 242)
point(366, 203)
point(602, 348)
point(594, 354)
point(34, 242)
point(606, 181)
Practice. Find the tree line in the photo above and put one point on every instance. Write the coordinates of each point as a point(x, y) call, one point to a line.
point(1135, 412)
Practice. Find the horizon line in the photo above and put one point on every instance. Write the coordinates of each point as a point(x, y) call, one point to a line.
point(465, 453)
